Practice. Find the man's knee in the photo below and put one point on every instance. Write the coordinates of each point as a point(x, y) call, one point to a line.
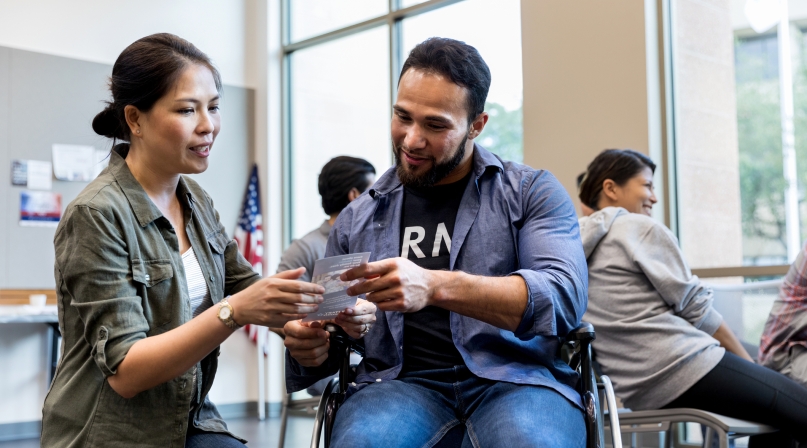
point(529, 416)
point(388, 414)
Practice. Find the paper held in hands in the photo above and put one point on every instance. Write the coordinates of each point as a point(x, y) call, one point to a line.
point(326, 273)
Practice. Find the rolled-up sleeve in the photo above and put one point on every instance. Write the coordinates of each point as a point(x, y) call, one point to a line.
point(551, 259)
point(95, 278)
point(662, 261)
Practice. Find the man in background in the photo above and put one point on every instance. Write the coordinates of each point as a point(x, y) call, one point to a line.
point(341, 181)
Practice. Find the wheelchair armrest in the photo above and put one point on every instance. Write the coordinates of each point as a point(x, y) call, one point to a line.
point(584, 332)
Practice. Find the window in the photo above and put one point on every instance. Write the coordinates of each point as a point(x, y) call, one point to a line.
point(735, 204)
point(341, 65)
point(339, 106)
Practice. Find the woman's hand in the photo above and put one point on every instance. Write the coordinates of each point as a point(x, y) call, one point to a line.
point(275, 300)
point(358, 320)
point(307, 342)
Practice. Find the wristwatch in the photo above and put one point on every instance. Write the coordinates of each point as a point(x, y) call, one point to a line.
point(226, 315)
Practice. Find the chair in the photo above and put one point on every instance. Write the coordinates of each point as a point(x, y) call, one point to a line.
point(747, 326)
point(306, 405)
point(578, 344)
point(722, 427)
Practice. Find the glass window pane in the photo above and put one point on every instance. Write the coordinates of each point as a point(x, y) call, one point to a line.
point(500, 47)
point(339, 106)
point(732, 203)
point(310, 18)
point(408, 3)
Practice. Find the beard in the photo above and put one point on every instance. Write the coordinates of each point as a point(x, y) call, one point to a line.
point(436, 173)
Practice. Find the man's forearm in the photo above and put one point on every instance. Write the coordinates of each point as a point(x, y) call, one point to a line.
point(499, 301)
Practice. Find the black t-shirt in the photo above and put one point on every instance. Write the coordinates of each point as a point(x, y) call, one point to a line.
point(427, 226)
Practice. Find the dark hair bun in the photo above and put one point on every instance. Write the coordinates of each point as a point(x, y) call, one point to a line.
point(108, 124)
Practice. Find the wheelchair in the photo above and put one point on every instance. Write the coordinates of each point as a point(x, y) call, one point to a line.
point(577, 347)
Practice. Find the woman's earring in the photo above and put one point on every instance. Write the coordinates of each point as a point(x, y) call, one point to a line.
point(138, 131)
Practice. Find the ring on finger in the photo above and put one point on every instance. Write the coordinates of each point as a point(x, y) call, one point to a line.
point(366, 329)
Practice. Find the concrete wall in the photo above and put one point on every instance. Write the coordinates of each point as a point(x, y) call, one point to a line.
point(710, 225)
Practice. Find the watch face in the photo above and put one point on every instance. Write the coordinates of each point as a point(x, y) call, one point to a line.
point(224, 312)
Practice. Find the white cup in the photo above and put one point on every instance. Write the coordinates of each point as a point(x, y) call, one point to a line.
point(38, 300)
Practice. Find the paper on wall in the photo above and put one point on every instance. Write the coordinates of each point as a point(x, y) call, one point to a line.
point(326, 273)
point(40, 208)
point(34, 174)
point(101, 162)
point(74, 163)
point(40, 175)
point(19, 173)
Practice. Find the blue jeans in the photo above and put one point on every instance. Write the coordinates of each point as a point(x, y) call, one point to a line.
point(418, 409)
point(201, 439)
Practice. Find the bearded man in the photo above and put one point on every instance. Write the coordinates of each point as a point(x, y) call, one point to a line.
point(478, 274)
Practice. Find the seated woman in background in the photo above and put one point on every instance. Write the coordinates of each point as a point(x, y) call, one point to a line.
point(783, 346)
point(658, 336)
point(148, 282)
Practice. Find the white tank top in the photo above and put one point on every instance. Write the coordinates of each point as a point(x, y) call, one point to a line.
point(197, 287)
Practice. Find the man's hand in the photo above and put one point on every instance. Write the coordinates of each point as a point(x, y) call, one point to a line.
point(358, 320)
point(307, 342)
point(394, 284)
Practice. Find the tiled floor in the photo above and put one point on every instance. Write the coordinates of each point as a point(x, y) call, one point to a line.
point(260, 434)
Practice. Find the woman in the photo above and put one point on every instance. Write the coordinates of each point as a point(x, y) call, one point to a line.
point(148, 282)
point(658, 336)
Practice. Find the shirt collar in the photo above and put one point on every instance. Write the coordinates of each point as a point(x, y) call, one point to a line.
point(144, 209)
point(325, 228)
point(482, 160)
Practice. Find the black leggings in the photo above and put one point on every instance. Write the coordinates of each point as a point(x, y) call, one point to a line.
point(741, 389)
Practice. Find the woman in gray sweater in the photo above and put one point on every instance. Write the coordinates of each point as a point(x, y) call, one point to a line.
point(658, 336)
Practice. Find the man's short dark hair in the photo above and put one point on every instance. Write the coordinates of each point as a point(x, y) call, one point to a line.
point(340, 175)
point(457, 61)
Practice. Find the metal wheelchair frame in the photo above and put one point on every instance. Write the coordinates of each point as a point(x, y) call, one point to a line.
point(579, 344)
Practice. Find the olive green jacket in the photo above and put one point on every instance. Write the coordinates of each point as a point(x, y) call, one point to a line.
point(119, 279)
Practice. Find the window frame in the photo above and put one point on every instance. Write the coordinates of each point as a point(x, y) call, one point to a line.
point(392, 19)
point(669, 158)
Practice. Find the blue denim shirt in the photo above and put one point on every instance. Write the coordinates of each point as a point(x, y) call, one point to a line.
point(512, 220)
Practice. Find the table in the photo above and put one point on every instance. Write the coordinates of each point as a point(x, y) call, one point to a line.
point(48, 314)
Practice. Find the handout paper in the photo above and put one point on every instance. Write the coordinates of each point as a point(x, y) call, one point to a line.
point(326, 273)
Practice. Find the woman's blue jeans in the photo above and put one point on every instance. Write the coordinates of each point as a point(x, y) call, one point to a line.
point(418, 409)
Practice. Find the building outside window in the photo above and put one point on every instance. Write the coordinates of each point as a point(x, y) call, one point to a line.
point(341, 68)
point(728, 127)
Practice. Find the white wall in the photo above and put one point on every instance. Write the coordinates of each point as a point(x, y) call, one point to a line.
point(98, 30)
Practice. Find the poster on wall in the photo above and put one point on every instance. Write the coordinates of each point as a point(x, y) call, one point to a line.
point(40, 208)
point(34, 174)
point(73, 163)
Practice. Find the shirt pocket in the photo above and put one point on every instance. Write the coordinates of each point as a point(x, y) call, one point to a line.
point(160, 301)
point(218, 245)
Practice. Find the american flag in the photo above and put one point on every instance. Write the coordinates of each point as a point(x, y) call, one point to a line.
point(249, 235)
